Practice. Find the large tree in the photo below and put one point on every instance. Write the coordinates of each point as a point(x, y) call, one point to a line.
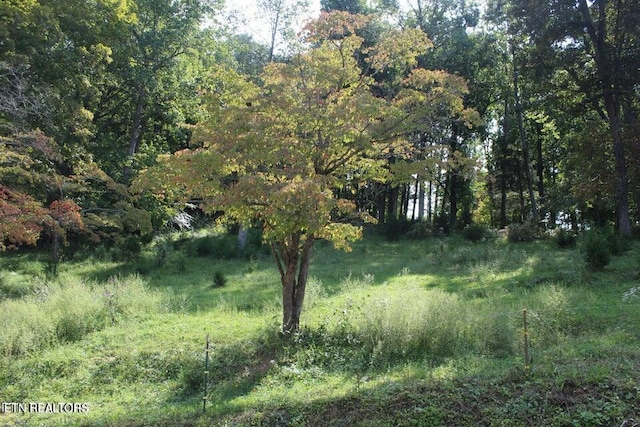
point(596, 43)
point(278, 154)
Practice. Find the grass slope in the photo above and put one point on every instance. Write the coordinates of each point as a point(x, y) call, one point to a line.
point(412, 333)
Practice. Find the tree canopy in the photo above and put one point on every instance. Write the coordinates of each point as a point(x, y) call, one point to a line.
point(278, 153)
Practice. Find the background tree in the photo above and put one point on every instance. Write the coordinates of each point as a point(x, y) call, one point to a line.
point(282, 16)
point(604, 35)
point(32, 194)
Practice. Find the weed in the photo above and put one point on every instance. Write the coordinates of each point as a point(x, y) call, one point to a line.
point(597, 250)
point(415, 324)
point(219, 279)
point(178, 262)
point(525, 232)
point(15, 285)
point(564, 238)
point(475, 233)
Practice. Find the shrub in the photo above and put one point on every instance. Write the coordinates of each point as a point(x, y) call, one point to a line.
point(127, 248)
point(204, 246)
point(178, 262)
point(564, 238)
point(420, 230)
point(597, 250)
point(162, 251)
point(617, 245)
point(475, 232)
point(394, 228)
point(525, 232)
point(219, 279)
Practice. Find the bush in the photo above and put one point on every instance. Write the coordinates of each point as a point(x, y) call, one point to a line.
point(225, 246)
point(127, 248)
point(420, 230)
point(525, 232)
point(162, 252)
point(475, 232)
point(177, 261)
point(617, 245)
point(219, 279)
point(394, 228)
point(597, 250)
point(564, 238)
point(205, 246)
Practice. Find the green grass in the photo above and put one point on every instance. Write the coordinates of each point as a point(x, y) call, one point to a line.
point(394, 333)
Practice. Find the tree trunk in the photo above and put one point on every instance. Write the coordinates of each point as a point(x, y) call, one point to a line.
point(503, 166)
point(453, 183)
point(598, 38)
point(55, 252)
point(243, 235)
point(632, 141)
point(525, 150)
point(434, 211)
point(621, 184)
point(136, 131)
point(421, 196)
point(381, 203)
point(540, 175)
point(522, 201)
point(393, 202)
point(293, 260)
point(453, 201)
point(416, 192)
point(405, 204)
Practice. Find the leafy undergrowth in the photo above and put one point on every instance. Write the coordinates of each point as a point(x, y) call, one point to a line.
point(409, 333)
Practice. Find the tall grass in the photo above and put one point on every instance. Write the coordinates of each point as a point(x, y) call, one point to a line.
point(61, 312)
point(417, 323)
point(405, 323)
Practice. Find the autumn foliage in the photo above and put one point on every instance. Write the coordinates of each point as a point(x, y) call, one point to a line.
point(278, 153)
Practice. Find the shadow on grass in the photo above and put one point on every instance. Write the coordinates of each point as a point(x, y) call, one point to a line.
point(554, 393)
point(451, 264)
point(512, 399)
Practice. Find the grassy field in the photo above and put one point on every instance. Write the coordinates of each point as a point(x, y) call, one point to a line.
point(410, 333)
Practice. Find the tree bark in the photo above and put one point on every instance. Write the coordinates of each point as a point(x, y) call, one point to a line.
point(421, 196)
point(622, 183)
point(381, 203)
point(525, 150)
point(416, 192)
point(540, 172)
point(598, 37)
point(293, 261)
point(632, 141)
point(453, 184)
point(136, 131)
point(503, 166)
point(393, 202)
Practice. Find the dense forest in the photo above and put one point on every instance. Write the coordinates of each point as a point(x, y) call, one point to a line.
point(425, 119)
